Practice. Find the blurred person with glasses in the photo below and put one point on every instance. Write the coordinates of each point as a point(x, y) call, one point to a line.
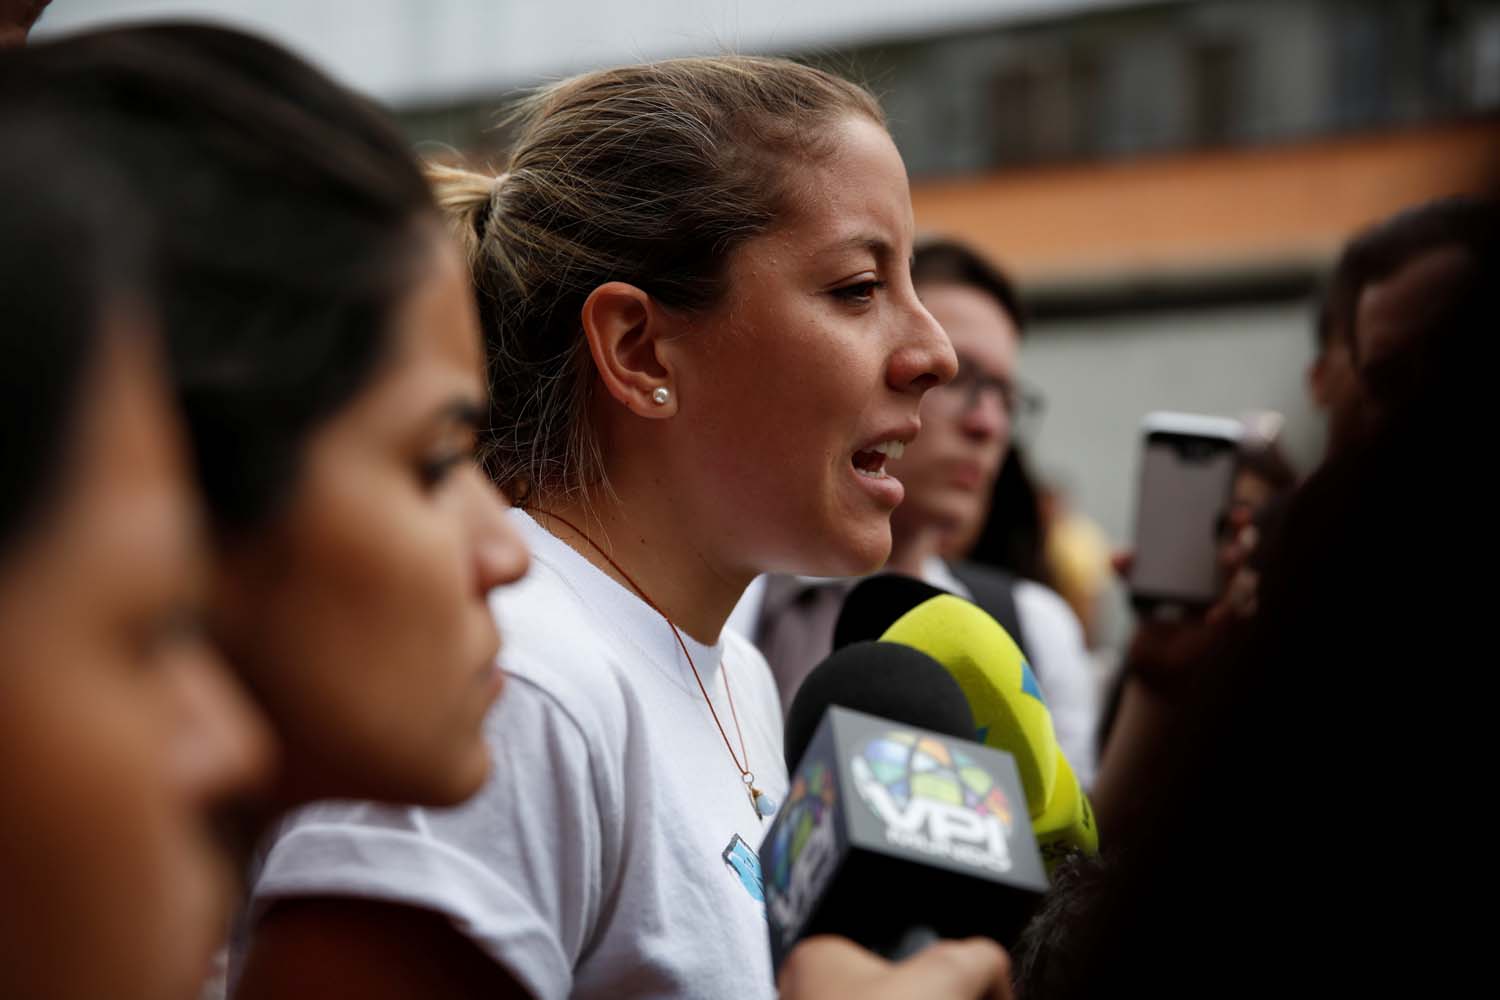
point(949, 473)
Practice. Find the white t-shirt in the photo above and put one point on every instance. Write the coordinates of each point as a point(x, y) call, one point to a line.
point(612, 852)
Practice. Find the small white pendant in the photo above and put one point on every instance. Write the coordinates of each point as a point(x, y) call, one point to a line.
point(763, 803)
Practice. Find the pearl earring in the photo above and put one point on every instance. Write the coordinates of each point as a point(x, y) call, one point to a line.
point(660, 395)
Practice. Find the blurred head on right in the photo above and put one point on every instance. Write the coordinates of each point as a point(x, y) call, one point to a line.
point(1396, 286)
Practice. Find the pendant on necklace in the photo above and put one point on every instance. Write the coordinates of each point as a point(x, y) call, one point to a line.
point(762, 803)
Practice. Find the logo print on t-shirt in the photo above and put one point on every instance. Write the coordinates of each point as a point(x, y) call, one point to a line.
point(746, 864)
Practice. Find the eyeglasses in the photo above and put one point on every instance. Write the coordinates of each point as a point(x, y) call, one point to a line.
point(1020, 402)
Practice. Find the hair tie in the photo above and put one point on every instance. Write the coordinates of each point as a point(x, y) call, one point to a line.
point(482, 217)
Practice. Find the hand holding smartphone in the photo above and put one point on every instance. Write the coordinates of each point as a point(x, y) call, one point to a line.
point(1188, 466)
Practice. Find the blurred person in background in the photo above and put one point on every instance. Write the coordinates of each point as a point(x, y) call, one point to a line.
point(1396, 286)
point(1401, 280)
point(1012, 535)
point(1033, 531)
point(123, 739)
point(1250, 834)
point(1262, 486)
point(1388, 287)
point(1263, 481)
point(949, 474)
point(1331, 379)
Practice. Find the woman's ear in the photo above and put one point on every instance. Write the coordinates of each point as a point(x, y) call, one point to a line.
point(626, 334)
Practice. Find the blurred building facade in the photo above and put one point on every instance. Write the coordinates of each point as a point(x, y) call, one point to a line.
point(1168, 180)
point(1171, 181)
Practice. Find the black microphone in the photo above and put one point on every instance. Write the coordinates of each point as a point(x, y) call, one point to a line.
point(1007, 703)
point(878, 678)
point(897, 829)
point(875, 603)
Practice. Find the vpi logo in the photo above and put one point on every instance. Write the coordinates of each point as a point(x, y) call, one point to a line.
point(935, 800)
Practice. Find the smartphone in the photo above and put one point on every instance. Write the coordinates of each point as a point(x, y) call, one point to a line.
point(1188, 465)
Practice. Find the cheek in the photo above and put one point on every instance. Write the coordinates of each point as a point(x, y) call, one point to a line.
point(806, 392)
point(782, 406)
point(759, 405)
point(382, 587)
point(383, 631)
point(147, 887)
point(780, 449)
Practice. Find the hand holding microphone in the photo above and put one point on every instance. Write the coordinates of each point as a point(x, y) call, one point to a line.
point(830, 968)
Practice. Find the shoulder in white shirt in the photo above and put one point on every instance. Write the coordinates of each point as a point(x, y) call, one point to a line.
point(612, 852)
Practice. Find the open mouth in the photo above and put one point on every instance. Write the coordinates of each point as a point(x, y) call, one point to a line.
point(870, 462)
